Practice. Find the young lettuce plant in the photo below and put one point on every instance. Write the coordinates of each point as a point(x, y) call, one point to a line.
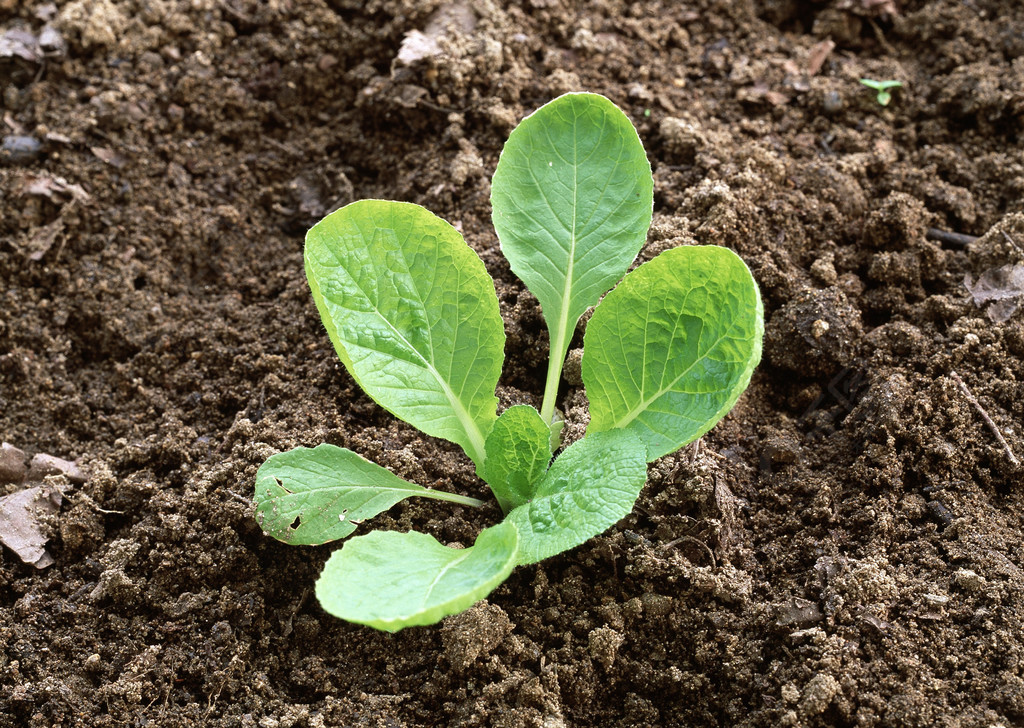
point(414, 317)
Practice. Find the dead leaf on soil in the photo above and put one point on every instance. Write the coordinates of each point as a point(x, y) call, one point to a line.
point(417, 45)
point(38, 241)
point(761, 92)
point(18, 43)
point(1000, 287)
point(43, 465)
point(51, 187)
point(882, 7)
point(114, 159)
point(24, 44)
point(870, 7)
point(13, 468)
point(797, 611)
point(21, 515)
point(35, 243)
point(818, 55)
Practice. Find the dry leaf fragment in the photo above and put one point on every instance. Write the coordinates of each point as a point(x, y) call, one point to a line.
point(818, 55)
point(882, 7)
point(761, 92)
point(12, 464)
point(18, 43)
point(47, 186)
point(417, 45)
point(798, 611)
point(114, 159)
point(21, 528)
point(43, 465)
point(1001, 287)
point(38, 241)
point(51, 42)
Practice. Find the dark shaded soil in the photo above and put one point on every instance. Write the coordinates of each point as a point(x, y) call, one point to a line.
point(844, 551)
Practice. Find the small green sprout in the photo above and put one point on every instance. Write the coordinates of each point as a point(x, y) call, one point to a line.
point(882, 87)
point(414, 317)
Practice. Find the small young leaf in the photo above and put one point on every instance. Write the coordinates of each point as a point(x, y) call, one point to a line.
point(518, 453)
point(670, 350)
point(390, 580)
point(413, 315)
point(572, 197)
point(592, 485)
point(326, 491)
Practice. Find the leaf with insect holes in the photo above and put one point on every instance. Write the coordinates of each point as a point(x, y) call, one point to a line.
point(413, 315)
point(669, 351)
point(311, 496)
point(518, 453)
point(572, 198)
point(390, 580)
point(591, 486)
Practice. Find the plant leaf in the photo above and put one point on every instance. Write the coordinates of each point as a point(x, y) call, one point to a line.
point(670, 350)
point(592, 485)
point(518, 453)
point(413, 315)
point(572, 198)
point(390, 580)
point(327, 491)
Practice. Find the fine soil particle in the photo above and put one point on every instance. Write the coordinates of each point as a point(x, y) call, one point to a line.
point(843, 550)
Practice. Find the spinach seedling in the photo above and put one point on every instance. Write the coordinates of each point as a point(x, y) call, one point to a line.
point(883, 96)
point(414, 317)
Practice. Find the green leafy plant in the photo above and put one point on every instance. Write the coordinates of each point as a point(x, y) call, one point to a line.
point(414, 317)
point(883, 97)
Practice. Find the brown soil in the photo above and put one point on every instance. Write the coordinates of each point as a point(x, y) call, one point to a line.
point(844, 551)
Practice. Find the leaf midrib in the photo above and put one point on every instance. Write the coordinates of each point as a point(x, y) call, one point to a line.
point(469, 426)
point(645, 403)
point(458, 560)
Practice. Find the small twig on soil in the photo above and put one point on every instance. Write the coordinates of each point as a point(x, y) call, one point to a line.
point(238, 497)
point(1011, 241)
point(237, 13)
point(675, 541)
point(984, 416)
point(954, 240)
point(695, 450)
point(880, 37)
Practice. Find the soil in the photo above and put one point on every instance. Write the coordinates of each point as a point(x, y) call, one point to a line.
point(844, 549)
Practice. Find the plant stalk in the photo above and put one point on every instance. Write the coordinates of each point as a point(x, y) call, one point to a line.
point(555, 362)
point(452, 498)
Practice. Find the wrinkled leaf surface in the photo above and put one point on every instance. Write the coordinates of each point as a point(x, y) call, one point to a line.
point(311, 496)
point(592, 485)
point(413, 315)
point(390, 580)
point(669, 351)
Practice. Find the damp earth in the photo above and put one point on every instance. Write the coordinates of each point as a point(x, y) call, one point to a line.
point(844, 549)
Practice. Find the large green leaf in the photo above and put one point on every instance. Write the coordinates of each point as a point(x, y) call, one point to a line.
point(390, 580)
point(518, 453)
point(572, 198)
point(413, 315)
point(590, 486)
point(670, 350)
point(312, 496)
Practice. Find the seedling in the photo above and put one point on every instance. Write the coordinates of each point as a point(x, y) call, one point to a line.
point(883, 96)
point(414, 317)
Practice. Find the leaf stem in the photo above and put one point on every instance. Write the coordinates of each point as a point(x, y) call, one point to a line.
point(557, 355)
point(450, 497)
